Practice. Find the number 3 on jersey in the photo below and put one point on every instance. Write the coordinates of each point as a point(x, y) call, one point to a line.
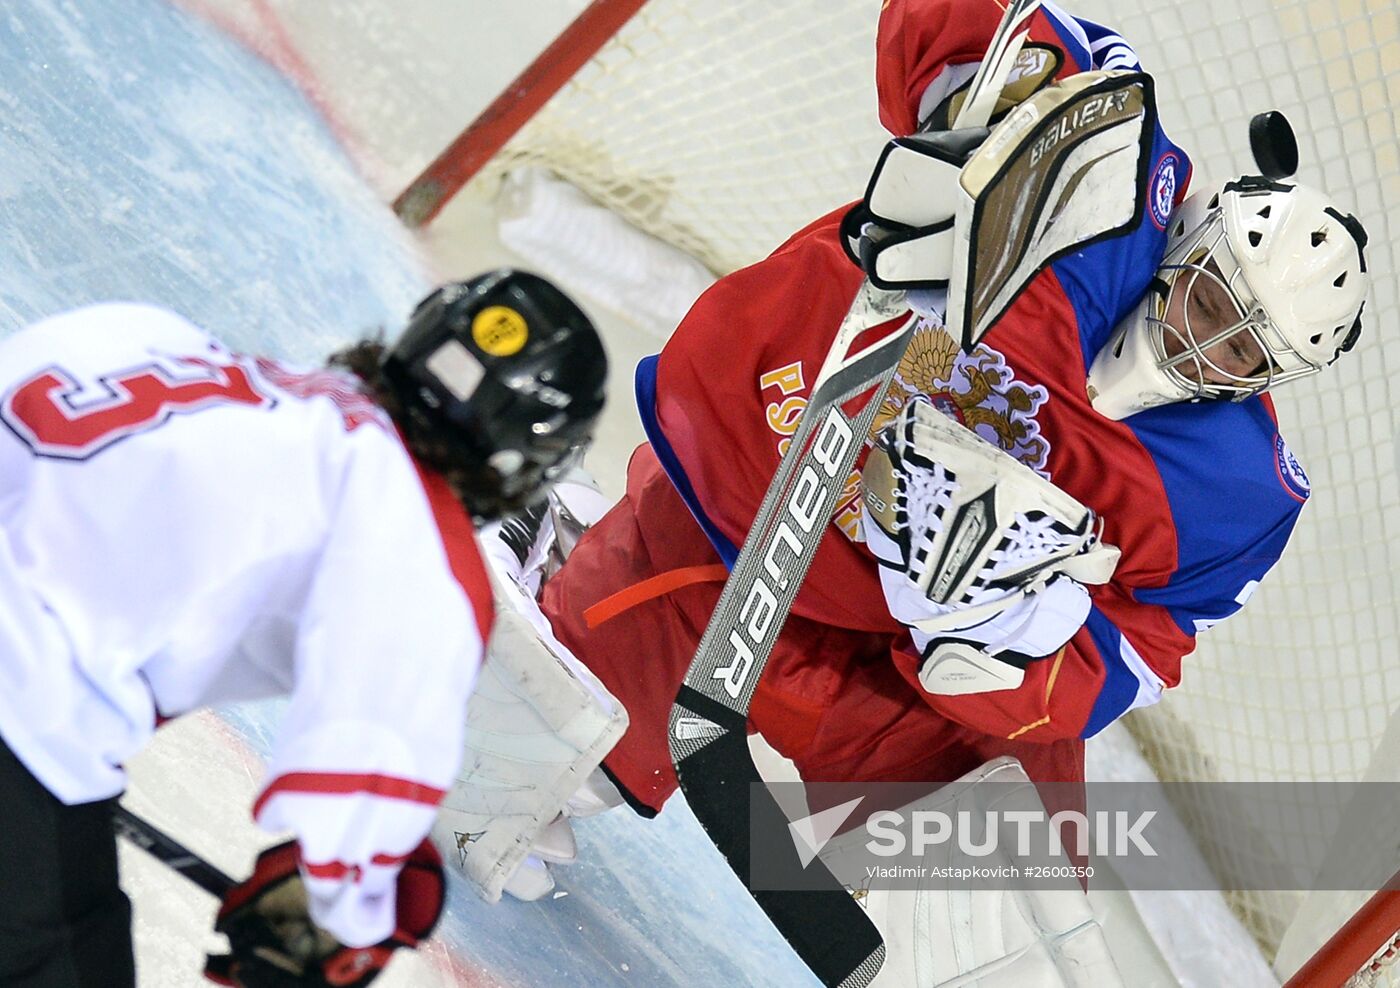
point(57, 414)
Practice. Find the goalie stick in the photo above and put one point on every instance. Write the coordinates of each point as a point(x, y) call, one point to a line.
point(141, 833)
point(707, 732)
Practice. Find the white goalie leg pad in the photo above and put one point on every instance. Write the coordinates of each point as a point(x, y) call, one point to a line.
point(947, 937)
point(538, 726)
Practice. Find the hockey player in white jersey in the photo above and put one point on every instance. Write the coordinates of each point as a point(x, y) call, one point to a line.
point(183, 526)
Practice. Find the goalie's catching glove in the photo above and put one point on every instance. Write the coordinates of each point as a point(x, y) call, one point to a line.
point(273, 942)
point(979, 554)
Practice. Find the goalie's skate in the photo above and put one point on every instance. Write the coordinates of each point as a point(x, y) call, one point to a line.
point(556, 844)
point(530, 881)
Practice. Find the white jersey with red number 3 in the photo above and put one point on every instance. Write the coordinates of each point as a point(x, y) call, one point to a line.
point(183, 526)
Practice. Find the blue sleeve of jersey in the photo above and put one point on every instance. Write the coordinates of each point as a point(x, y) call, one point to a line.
point(1128, 681)
point(1231, 522)
point(1108, 49)
point(1105, 281)
point(1089, 45)
point(1195, 601)
point(645, 384)
point(1203, 597)
point(1235, 491)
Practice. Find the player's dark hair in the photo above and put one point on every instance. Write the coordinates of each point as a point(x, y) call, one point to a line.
point(474, 487)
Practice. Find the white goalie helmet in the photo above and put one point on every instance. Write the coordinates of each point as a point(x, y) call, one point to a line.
point(1263, 283)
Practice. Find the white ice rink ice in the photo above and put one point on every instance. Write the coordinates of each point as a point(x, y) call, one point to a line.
point(144, 155)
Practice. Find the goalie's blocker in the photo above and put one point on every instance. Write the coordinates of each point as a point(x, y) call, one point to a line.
point(980, 212)
point(901, 233)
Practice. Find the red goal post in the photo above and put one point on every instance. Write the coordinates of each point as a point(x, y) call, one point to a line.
point(459, 162)
point(1363, 951)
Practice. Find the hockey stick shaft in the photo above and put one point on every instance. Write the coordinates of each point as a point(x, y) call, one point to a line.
point(707, 732)
point(141, 833)
point(821, 455)
point(707, 729)
point(996, 65)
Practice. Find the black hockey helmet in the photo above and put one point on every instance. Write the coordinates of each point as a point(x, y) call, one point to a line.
point(507, 375)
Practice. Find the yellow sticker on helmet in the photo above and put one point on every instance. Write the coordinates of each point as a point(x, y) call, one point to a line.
point(500, 331)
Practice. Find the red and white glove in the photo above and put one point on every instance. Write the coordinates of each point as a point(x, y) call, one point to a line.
point(273, 942)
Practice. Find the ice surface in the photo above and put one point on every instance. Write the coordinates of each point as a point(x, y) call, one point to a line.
point(144, 156)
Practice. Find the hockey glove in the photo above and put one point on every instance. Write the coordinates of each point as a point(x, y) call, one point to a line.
point(901, 233)
point(274, 944)
point(974, 545)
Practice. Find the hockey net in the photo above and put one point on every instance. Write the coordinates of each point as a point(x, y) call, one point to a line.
point(721, 127)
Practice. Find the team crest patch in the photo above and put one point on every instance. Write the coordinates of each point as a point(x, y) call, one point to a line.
point(977, 389)
point(1161, 194)
point(1290, 471)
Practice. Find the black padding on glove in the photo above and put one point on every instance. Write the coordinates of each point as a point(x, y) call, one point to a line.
point(851, 225)
point(1012, 658)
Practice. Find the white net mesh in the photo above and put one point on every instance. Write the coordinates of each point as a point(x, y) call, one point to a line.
point(723, 126)
point(1304, 682)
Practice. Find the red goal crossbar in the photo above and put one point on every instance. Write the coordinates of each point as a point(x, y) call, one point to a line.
point(512, 109)
point(1367, 942)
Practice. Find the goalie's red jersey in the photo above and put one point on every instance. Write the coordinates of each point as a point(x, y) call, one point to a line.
point(1201, 498)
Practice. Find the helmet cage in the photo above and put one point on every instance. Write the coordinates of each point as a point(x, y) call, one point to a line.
point(1204, 252)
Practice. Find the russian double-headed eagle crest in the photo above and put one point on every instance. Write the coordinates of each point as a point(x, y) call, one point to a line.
point(977, 389)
